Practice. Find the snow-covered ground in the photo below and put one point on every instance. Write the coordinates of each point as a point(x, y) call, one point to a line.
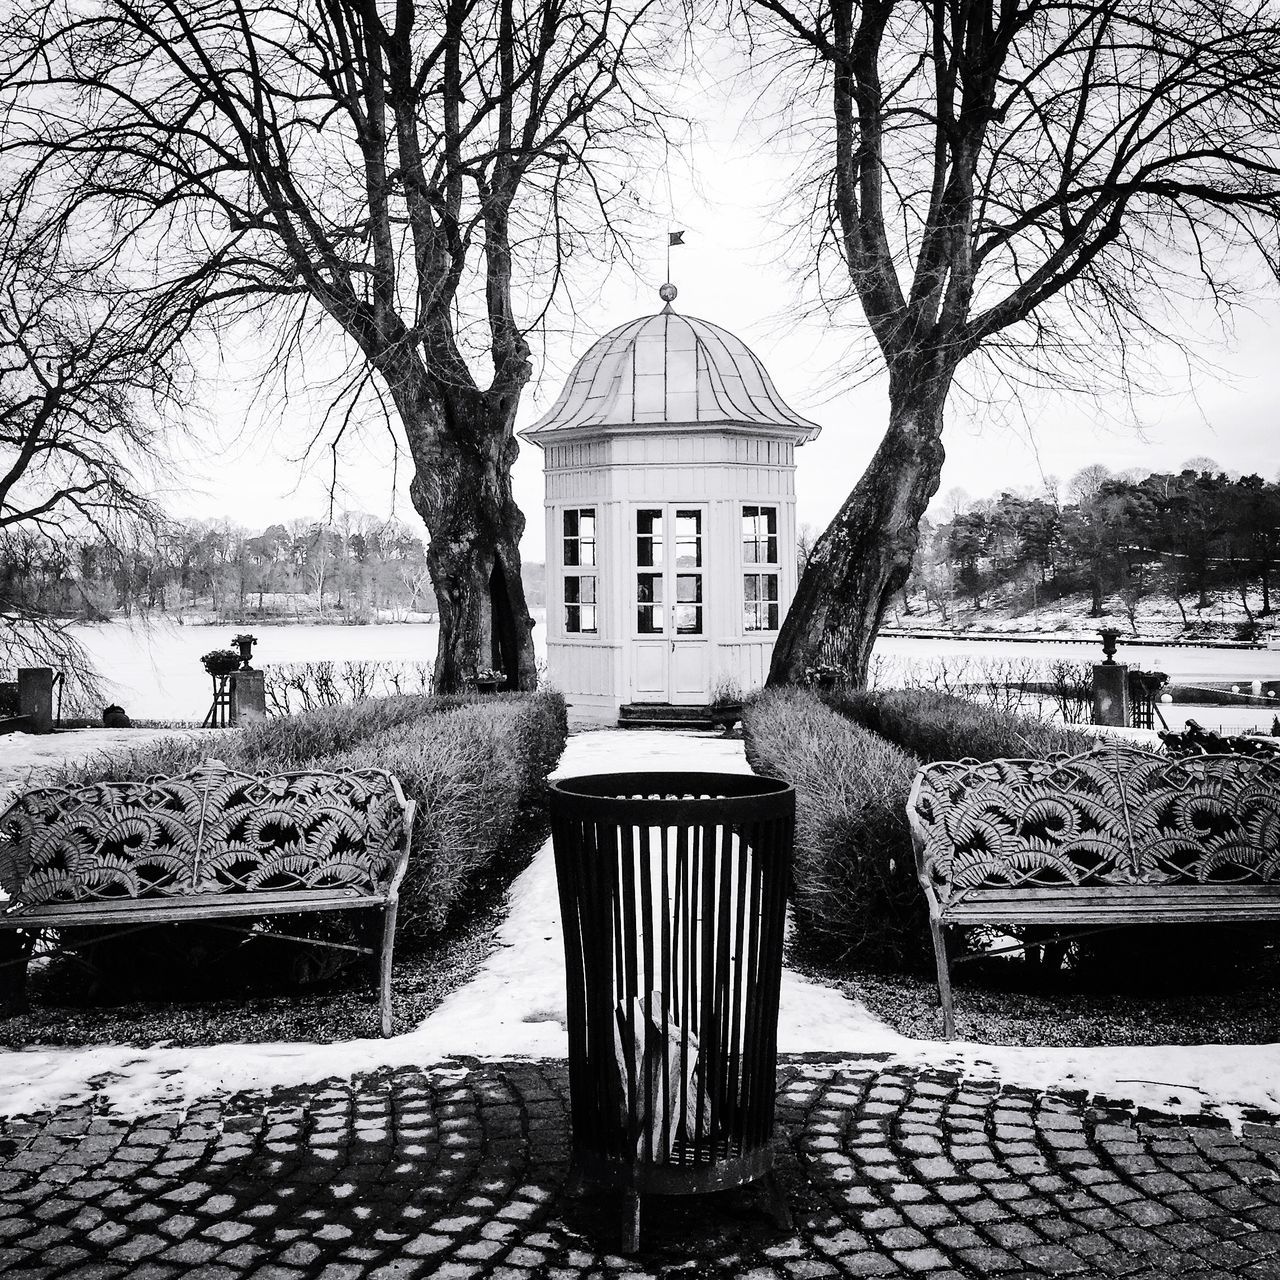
point(24, 757)
point(514, 1006)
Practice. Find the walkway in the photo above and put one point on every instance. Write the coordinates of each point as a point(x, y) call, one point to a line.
point(459, 1173)
point(443, 1151)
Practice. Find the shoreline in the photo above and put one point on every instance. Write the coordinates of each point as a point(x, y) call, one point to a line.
point(1069, 637)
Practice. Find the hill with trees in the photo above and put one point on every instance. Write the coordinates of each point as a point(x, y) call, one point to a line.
point(355, 568)
point(1192, 553)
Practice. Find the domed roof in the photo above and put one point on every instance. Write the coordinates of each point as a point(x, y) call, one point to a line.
point(670, 370)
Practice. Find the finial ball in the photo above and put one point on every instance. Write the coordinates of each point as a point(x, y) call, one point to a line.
point(668, 293)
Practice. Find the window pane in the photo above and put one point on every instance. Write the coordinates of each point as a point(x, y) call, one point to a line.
point(760, 601)
point(649, 588)
point(689, 588)
point(587, 589)
point(571, 590)
point(570, 552)
point(649, 523)
point(688, 524)
point(572, 619)
point(586, 552)
point(649, 619)
point(571, 524)
point(588, 617)
point(586, 524)
point(688, 619)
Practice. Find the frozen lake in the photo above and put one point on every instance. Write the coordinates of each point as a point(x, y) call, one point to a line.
point(155, 673)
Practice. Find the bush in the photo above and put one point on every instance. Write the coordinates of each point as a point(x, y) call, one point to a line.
point(477, 772)
point(941, 726)
point(855, 890)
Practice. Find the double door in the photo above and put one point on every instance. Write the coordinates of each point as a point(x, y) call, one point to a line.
point(669, 603)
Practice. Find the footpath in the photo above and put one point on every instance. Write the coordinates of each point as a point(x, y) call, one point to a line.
point(443, 1152)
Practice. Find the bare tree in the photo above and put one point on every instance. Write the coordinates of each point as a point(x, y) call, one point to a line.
point(415, 174)
point(77, 368)
point(86, 378)
point(1021, 185)
point(1087, 483)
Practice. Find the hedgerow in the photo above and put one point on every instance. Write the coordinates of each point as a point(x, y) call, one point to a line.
point(942, 726)
point(856, 897)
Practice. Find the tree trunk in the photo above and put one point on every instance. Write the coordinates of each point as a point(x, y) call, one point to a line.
point(865, 554)
point(464, 498)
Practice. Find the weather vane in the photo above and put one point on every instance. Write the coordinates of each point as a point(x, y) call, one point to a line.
point(668, 291)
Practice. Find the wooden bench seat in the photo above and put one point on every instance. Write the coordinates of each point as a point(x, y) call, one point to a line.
point(1115, 836)
point(209, 845)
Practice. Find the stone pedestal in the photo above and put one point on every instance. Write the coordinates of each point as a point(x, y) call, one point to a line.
point(248, 697)
point(35, 697)
point(1111, 694)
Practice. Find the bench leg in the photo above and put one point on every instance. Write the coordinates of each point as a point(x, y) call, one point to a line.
point(15, 952)
point(938, 930)
point(384, 967)
point(630, 1222)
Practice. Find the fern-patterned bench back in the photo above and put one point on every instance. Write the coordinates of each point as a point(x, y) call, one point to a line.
point(1113, 817)
point(209, 832)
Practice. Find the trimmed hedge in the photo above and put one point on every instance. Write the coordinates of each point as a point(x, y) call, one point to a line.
point(855, 894)
point(941, 726)
point(477, 772)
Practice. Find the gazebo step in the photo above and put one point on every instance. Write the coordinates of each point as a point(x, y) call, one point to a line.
point(661, 715)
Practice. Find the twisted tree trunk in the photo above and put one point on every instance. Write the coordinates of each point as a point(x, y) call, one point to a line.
point(462, 490)
point(865, 554)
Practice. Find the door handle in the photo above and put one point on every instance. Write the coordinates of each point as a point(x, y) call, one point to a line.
point(673, 646)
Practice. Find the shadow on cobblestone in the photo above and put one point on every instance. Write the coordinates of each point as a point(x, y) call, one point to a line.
point(460, 1173)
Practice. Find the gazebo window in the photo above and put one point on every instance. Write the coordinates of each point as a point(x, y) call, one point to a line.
point(650, 617)
point(579, 570)
point(760, 582)
point(688, 610)
point(760, 535)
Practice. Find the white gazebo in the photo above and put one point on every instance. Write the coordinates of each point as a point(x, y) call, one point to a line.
point(670, 504)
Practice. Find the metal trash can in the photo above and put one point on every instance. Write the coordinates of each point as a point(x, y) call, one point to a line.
point(673, 891)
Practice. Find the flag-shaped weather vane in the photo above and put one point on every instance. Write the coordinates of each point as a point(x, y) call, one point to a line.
point(668, 291)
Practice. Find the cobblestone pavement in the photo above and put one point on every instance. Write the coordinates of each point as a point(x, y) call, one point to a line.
point(457, 1173)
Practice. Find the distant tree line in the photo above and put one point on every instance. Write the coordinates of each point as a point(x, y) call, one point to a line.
point(1181, 536)
point(354, 566)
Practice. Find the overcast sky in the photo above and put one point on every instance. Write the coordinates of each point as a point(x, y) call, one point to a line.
point(244, 459)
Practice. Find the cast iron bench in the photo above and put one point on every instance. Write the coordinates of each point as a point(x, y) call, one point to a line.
point(1113, 837)
point(209, 845)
